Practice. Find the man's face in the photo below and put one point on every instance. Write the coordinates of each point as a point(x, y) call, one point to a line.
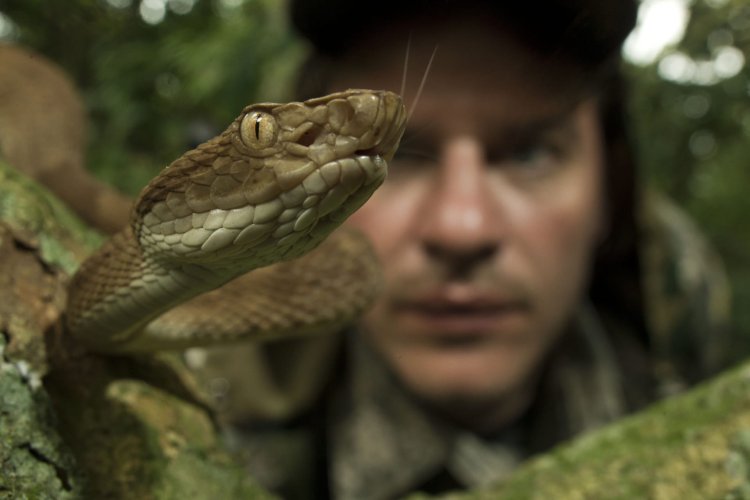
point(488, 222)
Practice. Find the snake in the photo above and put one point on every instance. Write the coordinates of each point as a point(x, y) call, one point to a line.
point(241, 237)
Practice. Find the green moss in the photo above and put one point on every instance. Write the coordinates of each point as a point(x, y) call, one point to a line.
point(694, 446)
point(62, 239)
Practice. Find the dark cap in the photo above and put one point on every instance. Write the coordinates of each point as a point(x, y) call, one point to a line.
point(590, 31)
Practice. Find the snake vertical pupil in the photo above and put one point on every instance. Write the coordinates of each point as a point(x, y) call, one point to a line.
point(258, 130)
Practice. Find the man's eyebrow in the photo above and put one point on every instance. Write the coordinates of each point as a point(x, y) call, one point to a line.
point(426, 139)
point(562, 121)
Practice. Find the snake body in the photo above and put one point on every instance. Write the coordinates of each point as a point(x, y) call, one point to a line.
point(270, 188)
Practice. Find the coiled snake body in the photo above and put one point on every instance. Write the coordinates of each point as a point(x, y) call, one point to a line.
point(270, 188)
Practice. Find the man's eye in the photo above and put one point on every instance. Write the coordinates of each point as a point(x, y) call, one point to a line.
point(406, 154)
point(542, 156)
point(411, 163)
point(532, 155)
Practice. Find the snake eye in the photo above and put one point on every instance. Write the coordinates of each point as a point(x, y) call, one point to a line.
point(258, 130)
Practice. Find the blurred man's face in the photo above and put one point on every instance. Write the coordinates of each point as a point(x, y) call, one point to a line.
point(487, 224)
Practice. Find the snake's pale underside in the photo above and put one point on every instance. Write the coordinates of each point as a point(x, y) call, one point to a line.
point(272, 187)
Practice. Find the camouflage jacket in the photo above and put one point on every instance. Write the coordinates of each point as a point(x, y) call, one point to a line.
point(324, 417)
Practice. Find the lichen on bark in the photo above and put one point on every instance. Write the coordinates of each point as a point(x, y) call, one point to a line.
point(34, 462)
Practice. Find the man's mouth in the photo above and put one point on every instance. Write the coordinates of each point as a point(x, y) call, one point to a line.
point(463, 313)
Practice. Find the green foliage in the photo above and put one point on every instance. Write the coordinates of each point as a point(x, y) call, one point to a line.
point(694, 140)
point(152, 89)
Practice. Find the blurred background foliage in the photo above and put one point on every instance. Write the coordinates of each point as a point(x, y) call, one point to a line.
point(159, 76)
point(690, 111)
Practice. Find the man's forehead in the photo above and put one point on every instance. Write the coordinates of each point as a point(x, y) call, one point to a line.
point(472, 52)
point(490, 114)
point(472, 73)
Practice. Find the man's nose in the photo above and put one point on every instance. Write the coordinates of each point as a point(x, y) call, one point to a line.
point(459, 220)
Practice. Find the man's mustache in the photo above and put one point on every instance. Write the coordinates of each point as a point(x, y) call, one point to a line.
point(483, 283)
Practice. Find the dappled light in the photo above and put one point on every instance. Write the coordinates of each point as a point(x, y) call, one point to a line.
point(691, 108)
point(660, 23)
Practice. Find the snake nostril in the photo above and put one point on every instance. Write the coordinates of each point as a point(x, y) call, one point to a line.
point(308, 138)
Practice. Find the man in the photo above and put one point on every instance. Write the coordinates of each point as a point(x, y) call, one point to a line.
point(514, 313)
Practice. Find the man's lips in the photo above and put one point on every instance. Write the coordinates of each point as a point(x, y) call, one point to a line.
point(461, 312)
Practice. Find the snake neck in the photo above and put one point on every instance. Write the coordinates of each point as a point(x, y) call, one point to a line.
point(124, 286)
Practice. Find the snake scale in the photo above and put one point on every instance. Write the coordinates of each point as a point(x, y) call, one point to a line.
point(267, 190)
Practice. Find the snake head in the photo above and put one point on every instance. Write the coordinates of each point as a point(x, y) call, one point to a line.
point(278, 180)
